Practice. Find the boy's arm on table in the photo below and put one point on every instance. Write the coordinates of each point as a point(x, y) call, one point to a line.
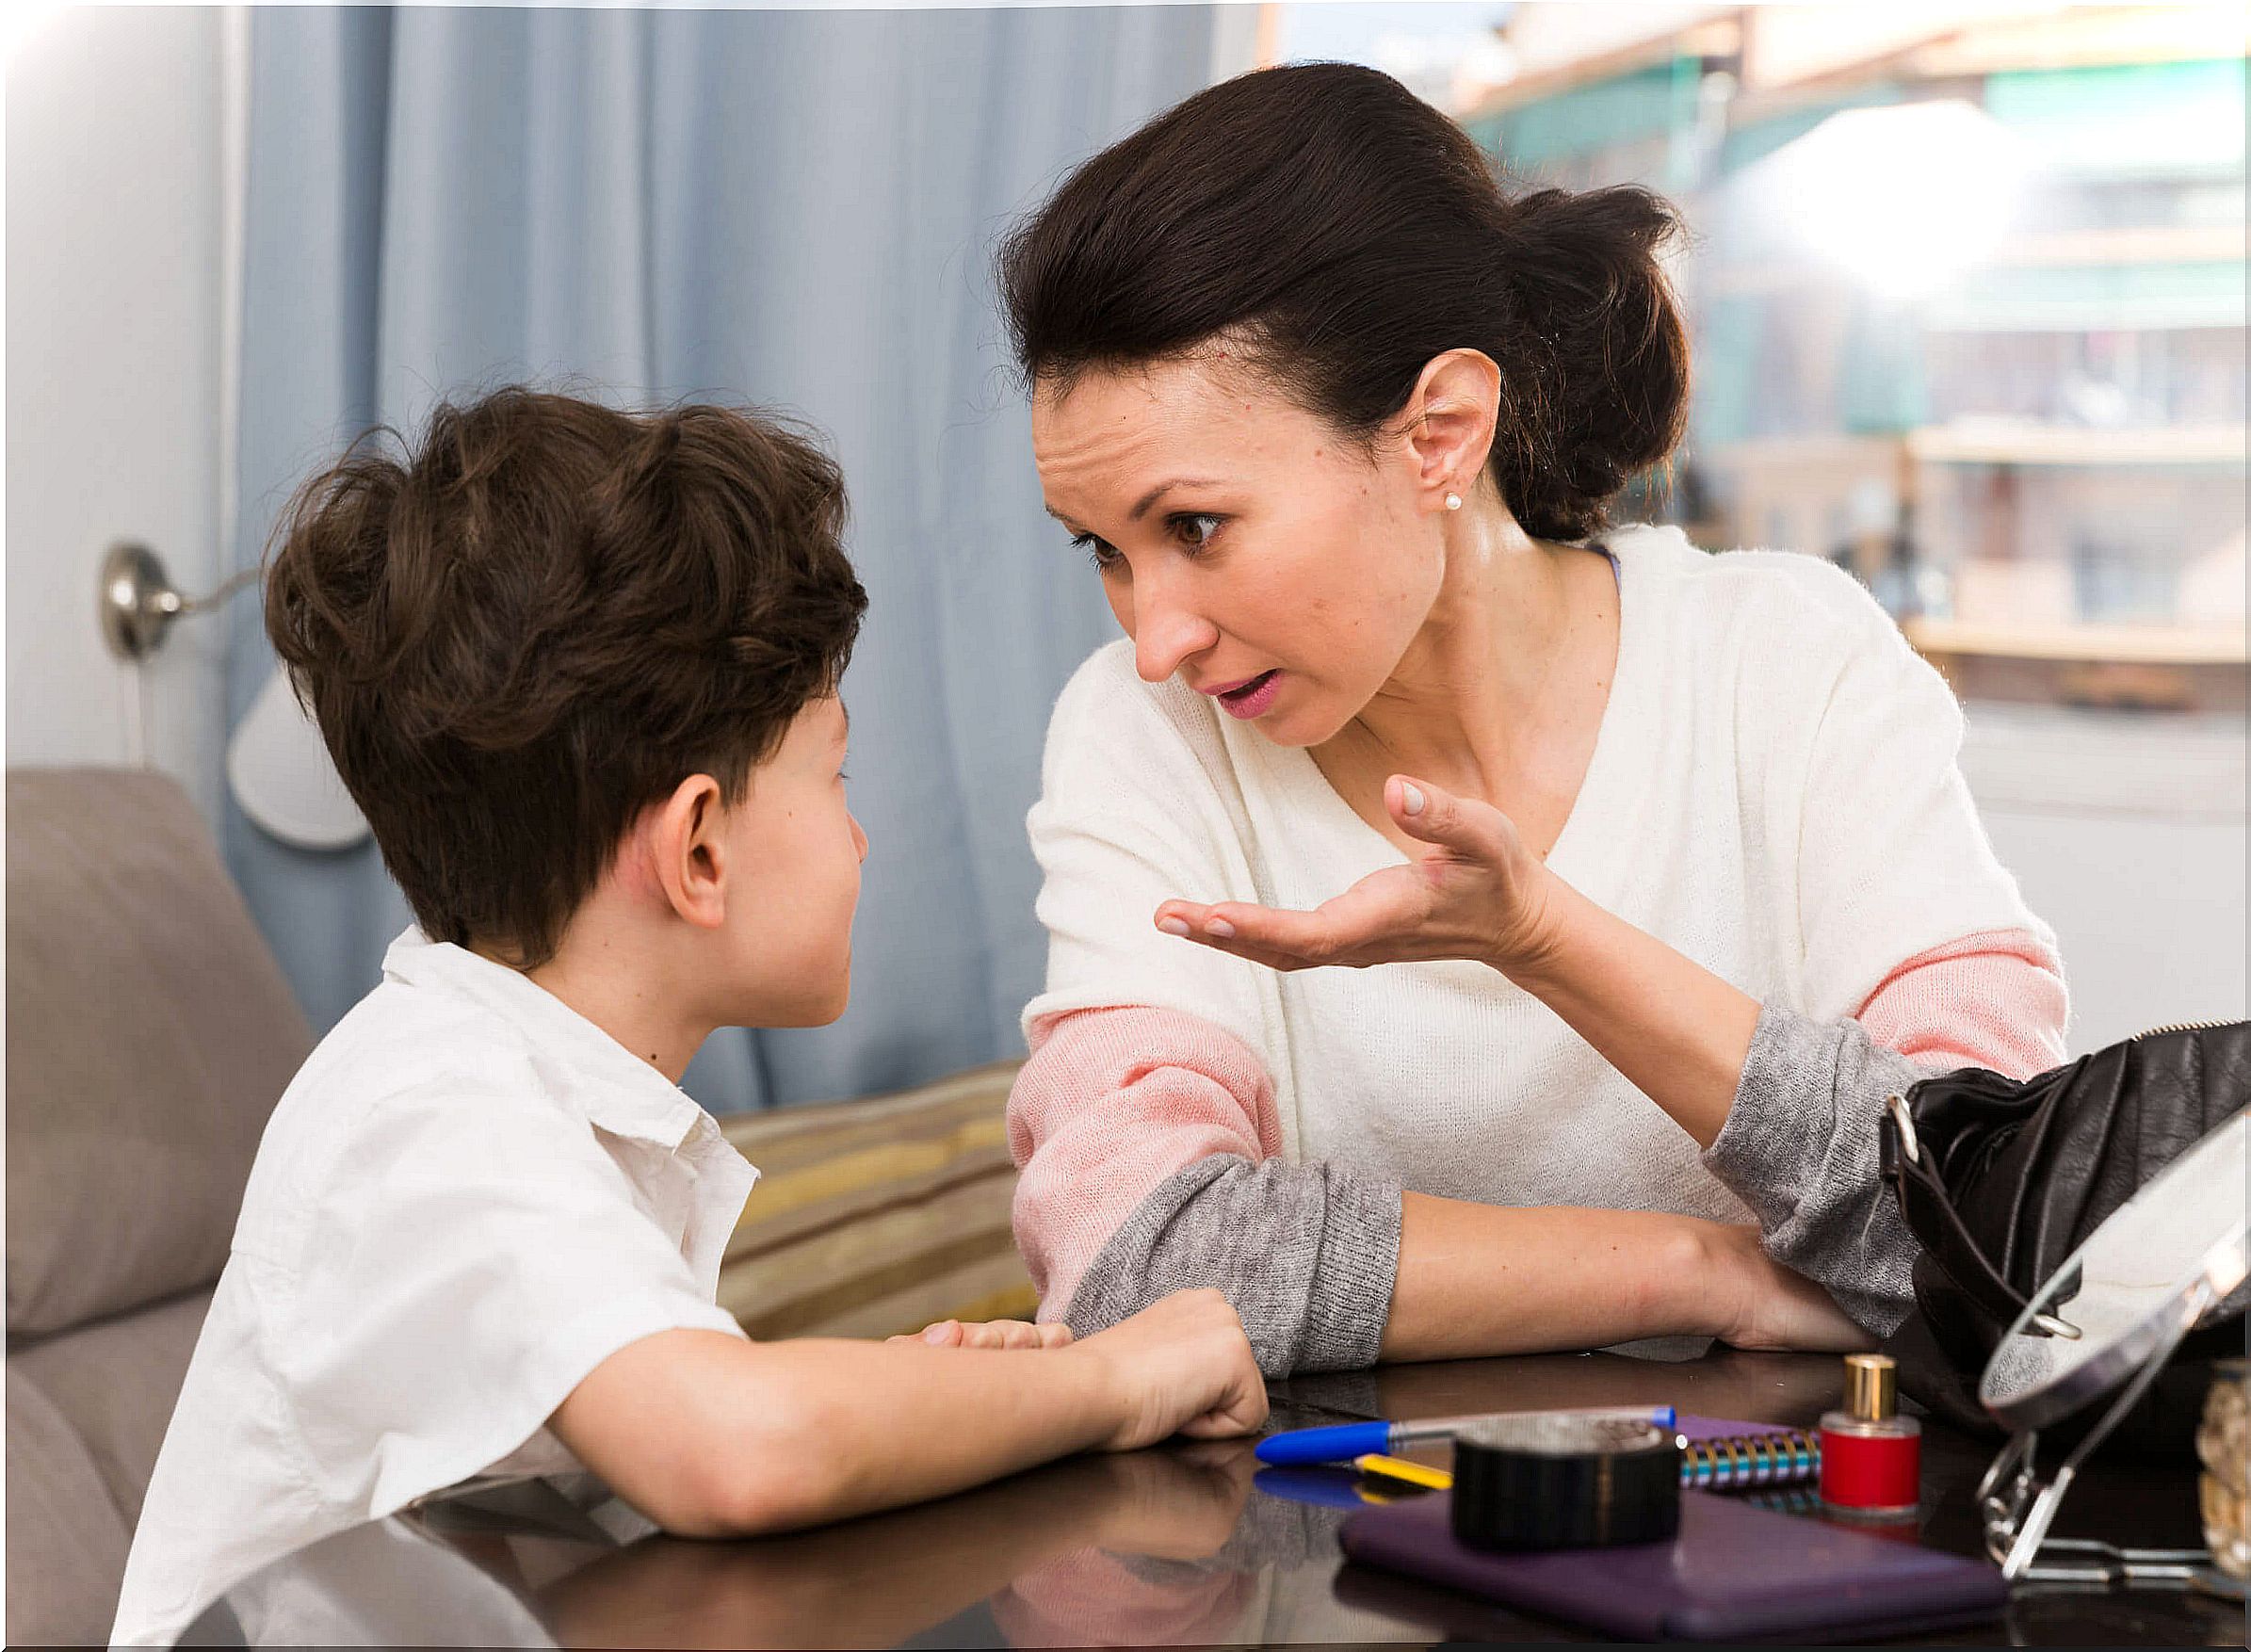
point(711, 1435)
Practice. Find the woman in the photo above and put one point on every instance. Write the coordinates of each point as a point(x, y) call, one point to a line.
point(1667, 853)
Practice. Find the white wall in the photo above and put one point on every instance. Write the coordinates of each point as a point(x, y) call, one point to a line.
point(116, 197)
point(2127, 834)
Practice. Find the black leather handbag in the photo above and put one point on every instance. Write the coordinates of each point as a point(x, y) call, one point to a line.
point(2002, 1179)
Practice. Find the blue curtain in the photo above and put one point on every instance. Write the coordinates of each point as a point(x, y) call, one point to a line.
point(793, 208)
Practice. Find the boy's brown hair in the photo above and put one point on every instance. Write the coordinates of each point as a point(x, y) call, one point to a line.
point(518, 636)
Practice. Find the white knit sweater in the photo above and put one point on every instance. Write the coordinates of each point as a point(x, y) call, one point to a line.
point(1774, 791)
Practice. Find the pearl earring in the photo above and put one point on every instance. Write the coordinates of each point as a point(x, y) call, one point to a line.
point(1453, 501)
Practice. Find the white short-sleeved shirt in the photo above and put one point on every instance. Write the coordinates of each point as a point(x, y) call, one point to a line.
point(468, 1198)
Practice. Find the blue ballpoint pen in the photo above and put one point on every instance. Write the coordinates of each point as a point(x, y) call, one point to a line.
point(1341, 1442)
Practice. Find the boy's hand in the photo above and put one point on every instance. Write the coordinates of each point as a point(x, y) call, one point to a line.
point(1180, 1365)
point(989, 1333)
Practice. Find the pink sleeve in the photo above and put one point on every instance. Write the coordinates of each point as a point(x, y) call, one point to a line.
point(1112, 1102)
point(1993, 999)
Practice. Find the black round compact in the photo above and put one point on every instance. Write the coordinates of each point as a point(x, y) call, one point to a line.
point(1563, 1481)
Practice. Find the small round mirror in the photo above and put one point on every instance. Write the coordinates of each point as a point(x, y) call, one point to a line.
point(2170, 1254)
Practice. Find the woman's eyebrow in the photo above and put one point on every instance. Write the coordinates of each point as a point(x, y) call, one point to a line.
point(1141, 506)
point(1161, 488)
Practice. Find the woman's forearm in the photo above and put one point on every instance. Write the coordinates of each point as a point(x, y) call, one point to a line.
point(1484, 1279)
point(1801, 1149)
point(1676, 1032)
point(1306, 1253)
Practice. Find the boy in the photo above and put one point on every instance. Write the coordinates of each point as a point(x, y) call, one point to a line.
point(578, 670)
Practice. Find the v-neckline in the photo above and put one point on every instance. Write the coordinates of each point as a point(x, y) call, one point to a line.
point(1296, 765)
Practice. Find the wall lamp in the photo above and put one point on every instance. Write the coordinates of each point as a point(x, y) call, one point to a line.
point(140, 602)
point(277, 767)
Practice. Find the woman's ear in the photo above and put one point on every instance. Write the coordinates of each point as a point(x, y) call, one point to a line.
point(1449, 420)
point(687, 854)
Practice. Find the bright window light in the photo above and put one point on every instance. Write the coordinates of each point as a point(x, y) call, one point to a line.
point(1905, 196)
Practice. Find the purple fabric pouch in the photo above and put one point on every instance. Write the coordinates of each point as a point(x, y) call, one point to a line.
point(1734, 1573)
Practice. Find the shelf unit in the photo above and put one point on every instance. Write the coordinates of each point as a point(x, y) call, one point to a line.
point(1783, 486)
point(2036, 430)
point(2145, 668)
point(2182, 645)
point(2019, 443)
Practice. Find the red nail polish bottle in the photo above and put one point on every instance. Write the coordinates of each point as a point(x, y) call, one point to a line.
point(1871, 1457)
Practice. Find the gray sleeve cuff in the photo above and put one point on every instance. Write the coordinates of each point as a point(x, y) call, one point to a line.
point(1800, 1148)
point(1306, 1253)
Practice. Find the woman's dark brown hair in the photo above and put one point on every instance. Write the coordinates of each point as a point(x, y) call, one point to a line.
point(523, 632)
point(1345, 233)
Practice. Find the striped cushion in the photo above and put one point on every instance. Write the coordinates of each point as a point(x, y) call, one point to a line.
point(880, 1216)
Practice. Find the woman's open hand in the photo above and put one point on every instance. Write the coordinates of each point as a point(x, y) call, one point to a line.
point(1474, 893)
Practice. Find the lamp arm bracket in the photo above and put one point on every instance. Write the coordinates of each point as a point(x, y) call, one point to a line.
point(139, 602)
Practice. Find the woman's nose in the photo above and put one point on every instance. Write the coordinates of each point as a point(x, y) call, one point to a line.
point(859, 837)
point(1165, 635)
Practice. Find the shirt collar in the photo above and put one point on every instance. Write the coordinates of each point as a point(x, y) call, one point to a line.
point(618, 1090)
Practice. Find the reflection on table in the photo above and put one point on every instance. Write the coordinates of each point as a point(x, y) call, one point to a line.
point(1173, 1547)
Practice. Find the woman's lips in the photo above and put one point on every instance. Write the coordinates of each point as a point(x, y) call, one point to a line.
point(1251, 699)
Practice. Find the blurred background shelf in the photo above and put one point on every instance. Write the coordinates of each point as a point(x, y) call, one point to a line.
point(2184, 645)
point(2170, 669)
point(2008, 442)
point(2185, 243)
point(1967, 297)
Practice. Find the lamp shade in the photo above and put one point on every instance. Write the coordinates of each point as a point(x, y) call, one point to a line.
point(281, 777)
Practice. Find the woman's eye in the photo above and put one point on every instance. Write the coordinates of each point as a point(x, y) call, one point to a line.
point(1194, 529)
point(1102, 555)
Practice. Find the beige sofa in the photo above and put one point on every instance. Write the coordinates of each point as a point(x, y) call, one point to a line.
point(148, 1035)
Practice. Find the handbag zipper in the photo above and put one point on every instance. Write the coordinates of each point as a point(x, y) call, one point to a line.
point(1896, 1103)
point(2179, 1027)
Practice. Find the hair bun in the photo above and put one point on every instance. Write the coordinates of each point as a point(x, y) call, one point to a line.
point(1350, 232)
point(1600, 359)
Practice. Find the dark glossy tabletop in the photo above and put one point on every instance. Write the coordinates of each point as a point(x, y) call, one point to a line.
point(1173, 1547)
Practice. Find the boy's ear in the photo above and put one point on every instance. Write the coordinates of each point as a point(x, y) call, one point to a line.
point(690, 859)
